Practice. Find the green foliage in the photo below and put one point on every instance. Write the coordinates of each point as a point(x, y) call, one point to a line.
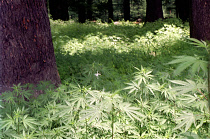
point(187, 61)
point(117, 82)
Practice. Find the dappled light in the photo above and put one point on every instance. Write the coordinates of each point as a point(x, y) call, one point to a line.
point(118, 81)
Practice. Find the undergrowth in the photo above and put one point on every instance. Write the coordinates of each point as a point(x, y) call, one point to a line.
point(118, 81)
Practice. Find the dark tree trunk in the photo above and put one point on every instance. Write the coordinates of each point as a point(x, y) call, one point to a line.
point(154, 10)
point(110, 11)
point(59, 9)
point(26, 49)
point(177, 8)
point(200, 26)
point(82, 11)
point(89, 10)
point(200, 19)
point(126, 5)
point(182, 9)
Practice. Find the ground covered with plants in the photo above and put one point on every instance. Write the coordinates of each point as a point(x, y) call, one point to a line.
point(122, 81)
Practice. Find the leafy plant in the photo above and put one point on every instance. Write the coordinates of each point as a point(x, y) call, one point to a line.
point(196, 88)
point(115, 84)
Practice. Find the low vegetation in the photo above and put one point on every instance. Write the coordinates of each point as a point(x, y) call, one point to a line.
point(120, 81)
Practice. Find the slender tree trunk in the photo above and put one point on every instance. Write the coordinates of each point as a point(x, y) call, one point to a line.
point(26, 49)
point(82, 11)
point(154, 10)
point(126, 5)
point(89, 10)
point(110, 11)
point(182, 9)
point(59, 9)
point(177, 8)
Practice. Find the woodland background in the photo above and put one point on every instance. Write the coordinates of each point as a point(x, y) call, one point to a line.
point(96, 69)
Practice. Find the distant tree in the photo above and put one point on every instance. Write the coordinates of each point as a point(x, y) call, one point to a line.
point(200, 19)
point(26, 48)
point(154, 10)
point(126, 6)
point(59, 9)
point(81, 11)
point(110, 11)
point(89, 9)
point(182, 9)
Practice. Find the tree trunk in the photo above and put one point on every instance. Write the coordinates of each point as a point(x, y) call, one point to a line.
point(182, 9)
point(89, 10)
point(110, 11)
point(26, 49)
point(81, 11)
point(200, 19)
point(154, 10)
point(59, 9)
point(200, 26)
point(126, 5)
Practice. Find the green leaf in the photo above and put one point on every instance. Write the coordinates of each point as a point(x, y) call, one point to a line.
point(7, 123)
point(187, 61)
point(143, 75)
point(133, 87)
point(29, 122)
point(93, 113)
point(185, 87)
point(198, 43)
point(132, 112)
point(186, 119)
point(79, 101)
point(189, 135)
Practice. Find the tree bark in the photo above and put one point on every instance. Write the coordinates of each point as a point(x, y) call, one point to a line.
point(26, 49)
point(200, 26)
point(200, 19)
point(59, 9)
point(154, 10)
point(110, 11)
point(126, 5)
